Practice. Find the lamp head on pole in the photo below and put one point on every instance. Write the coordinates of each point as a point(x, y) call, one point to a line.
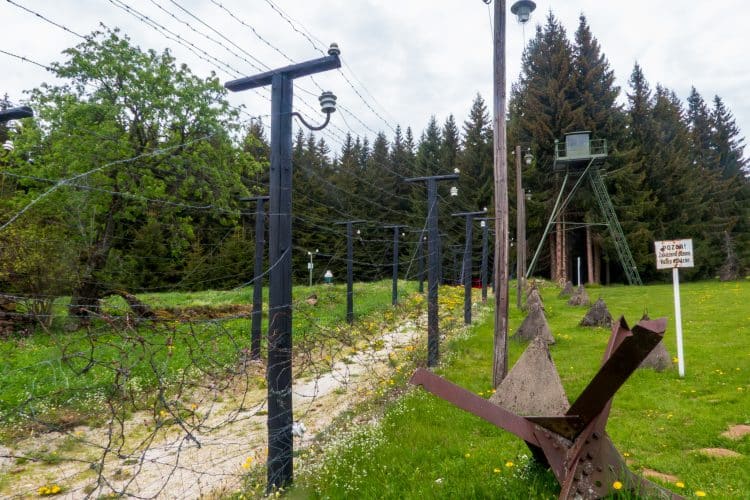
point(528, 157)
point(522, 9)
point(327, 102)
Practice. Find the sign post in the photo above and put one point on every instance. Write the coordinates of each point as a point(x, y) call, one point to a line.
point(675, 254)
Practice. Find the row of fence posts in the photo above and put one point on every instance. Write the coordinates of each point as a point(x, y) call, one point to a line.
point(434, 266)
point(279, 367)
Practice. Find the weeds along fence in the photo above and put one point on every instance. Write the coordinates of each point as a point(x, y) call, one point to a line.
point(125, 328)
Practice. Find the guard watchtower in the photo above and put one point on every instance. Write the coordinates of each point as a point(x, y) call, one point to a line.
point(578, 150)
point(581, 157)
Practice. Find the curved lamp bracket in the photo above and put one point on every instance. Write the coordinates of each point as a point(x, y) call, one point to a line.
point(327, 105)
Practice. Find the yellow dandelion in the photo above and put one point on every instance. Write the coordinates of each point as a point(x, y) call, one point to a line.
point(626, 454)
point(617, 485)
point(679, 484)
point(700, 493)
point(496, 470)
point(55, 489)
point(247, 463)
point(509, 464)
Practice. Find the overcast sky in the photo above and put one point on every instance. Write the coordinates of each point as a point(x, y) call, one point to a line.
point(407, 59)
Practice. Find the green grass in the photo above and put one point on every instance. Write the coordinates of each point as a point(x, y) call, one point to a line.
point(63, 378)
point(426, 448)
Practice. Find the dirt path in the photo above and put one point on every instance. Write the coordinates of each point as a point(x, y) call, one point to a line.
point(177, 465)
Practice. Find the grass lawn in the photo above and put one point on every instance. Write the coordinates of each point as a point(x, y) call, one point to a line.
point(65, 378)
point(423, 447)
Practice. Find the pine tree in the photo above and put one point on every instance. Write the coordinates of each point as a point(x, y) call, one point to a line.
point(699, 118)
point(727, 143)
point(543, 108)
point(476, 158)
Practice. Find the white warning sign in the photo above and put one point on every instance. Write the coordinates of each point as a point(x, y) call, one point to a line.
point(674, 253)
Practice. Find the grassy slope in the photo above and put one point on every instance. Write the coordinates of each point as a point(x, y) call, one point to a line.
point(427, 448)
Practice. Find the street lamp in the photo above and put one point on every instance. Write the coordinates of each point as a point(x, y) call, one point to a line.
point(528, 157)
point(522, 10)
point(310, 264)
point(16, 113)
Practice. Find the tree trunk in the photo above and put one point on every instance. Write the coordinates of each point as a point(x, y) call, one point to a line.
point(589, 255)
point(559, 263)
point(606, 262)
point(84, 299)
point(597, 263)
point(552, 259)
point(565, 256)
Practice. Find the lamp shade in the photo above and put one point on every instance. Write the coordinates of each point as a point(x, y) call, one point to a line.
point(522, 9)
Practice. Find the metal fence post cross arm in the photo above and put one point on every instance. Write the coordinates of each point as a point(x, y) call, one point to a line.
point(280, 465)
point(293, 71)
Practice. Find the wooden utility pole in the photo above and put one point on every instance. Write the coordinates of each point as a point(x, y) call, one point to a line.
point(500, 354)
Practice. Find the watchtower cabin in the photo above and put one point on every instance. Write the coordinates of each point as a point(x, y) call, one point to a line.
point(580, 157)
point(578, 151)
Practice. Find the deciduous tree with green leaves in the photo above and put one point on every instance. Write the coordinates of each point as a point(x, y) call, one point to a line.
point(144, 153)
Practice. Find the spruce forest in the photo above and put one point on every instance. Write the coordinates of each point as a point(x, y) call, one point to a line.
point(129, 176)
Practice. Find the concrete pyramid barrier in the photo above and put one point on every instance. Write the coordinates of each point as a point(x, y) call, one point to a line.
point(568, 290)
point(534, 326)
point(597, 315)
point(533, 386)
point(580, 297)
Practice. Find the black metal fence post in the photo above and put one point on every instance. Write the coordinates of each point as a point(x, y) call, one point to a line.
point(394, 291)
point(433, 267)
point(349, 270)
point(420, 261)
point(467, 261)
point(485, 246)
point(279, 372)
point(256, 314)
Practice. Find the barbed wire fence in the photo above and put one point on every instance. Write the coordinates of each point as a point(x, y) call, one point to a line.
point(155, 393)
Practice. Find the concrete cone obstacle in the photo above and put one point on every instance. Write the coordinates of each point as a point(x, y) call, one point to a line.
point(580, 297)
point(659, 358)
point(533, 299)
point(534, 325)
point(568, 290)
point(597, 315)
point(533, 386)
